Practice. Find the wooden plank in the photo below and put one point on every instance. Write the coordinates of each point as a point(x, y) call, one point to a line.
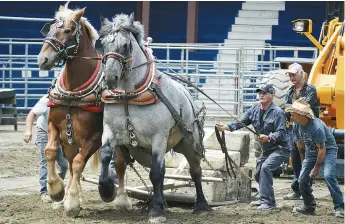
point(168, 186)
point(204, 179)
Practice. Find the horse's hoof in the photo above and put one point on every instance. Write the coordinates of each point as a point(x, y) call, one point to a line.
point(57, 195)
point(73, 212)
point(157, 220)
point(201, 207)
point(122, 202)
point(72, 207)
point(107, 190)
point(157, 215)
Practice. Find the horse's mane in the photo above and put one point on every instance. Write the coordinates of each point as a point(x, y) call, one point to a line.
point(123, 22)
point(68, 13)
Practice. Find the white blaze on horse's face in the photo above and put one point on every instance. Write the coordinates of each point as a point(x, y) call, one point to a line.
point(63, 30)
point(120, 44)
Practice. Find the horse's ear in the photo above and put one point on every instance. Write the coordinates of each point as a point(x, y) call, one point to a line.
point(80, 13)
point(104, 21)
point(131, 18)
point(61, 8)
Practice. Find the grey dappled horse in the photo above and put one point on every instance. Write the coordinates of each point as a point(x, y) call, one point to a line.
point(129, 74)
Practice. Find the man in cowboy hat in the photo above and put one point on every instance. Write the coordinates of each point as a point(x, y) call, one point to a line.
point(299, 89)
point(320, 148)
point(268, 121)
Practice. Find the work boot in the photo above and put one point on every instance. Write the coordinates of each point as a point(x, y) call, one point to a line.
point(255, 203)
point(292, 196)
point(46, 198)
point(307, 210)
point(265, 207)
point(339, 212)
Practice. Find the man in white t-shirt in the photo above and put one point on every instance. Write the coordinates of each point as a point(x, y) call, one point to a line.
point(41, 111)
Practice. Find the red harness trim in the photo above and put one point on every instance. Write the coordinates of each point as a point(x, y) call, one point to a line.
point(51, 104)
point(95, 109)
point(92, 78)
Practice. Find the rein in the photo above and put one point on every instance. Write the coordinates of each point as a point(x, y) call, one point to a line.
point(228, 161)
point(198, 89)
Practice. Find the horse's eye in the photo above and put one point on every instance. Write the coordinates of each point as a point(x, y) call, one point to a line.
point(68, 30)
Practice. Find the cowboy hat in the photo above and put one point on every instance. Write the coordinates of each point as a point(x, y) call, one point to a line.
point(301, 107)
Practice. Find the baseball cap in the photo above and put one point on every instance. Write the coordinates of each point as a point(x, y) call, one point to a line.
point(295, 68)
point(267, 89)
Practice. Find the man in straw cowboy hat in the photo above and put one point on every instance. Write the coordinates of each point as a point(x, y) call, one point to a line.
point(317, 147)
point(299, 89)
point(268, 121)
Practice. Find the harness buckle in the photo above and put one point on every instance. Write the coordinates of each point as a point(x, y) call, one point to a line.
point(130, 127)
point(132, 135)
point(134, 143)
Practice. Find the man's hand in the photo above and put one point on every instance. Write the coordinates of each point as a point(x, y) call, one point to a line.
point(264, 138)
point(314, 172)
point(222, 127)
point(27, 136)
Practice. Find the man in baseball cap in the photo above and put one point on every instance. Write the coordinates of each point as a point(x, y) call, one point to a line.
point(317, 147)
point(268, 121)
point(299, 89)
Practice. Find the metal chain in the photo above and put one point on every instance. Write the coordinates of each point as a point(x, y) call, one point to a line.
point(131, 134)
point(141, 178)
point(208, 163)
point(145, 168)
point(69, 129)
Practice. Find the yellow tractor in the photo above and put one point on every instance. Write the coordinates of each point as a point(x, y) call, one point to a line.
point(326, 73)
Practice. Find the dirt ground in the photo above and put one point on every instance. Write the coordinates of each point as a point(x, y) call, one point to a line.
point(20, 201)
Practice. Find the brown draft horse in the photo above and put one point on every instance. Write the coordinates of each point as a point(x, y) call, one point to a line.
point(76, 118)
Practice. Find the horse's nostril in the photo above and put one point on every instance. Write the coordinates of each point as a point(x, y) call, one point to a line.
point(45, 60)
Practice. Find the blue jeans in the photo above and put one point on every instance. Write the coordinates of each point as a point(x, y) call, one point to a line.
point(62, 163)
point(328, 166)
point(265, 165)
point(295, 162)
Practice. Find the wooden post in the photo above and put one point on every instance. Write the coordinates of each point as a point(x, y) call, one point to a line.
point(143, 15)
point(192, 22)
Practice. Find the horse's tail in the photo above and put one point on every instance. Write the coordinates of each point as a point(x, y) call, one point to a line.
point(95, 162)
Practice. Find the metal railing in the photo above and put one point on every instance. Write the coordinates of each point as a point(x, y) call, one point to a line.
point(231, 82)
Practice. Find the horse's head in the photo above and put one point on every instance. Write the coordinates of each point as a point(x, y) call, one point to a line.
point(63, 36)
point(119, 41)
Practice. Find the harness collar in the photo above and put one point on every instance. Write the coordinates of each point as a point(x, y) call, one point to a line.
point(92, 78)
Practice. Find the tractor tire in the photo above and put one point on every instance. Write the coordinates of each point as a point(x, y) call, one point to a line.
point(280, 81)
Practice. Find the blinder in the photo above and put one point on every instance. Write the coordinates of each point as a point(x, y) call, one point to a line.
point(46, 28)
point(99, 46)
